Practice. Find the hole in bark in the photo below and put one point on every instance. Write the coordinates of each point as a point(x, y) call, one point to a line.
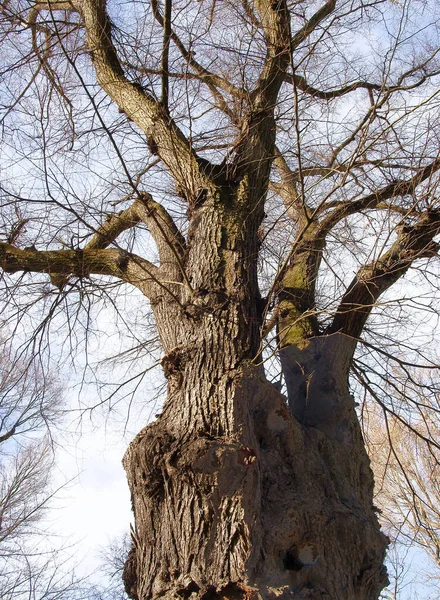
point(298, 557)
point(262, 443)
point(210, 593)
point(191, 588)
point(291, 562)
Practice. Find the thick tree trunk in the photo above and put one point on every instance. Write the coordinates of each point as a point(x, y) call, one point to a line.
point(235, 497)
point(234, 494)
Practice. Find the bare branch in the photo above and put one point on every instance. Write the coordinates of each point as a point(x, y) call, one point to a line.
point(305, 87)
point(413, 242)
point(212, 80)
point(256, 141)
point(295, 207)
point(312, 23)
point(166, 52)
point(150, 115)
point(83, 263)
point(170, 242)
point(395, 189)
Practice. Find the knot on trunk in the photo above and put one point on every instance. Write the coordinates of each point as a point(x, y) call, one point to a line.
point(174, 361)
point(129, 575)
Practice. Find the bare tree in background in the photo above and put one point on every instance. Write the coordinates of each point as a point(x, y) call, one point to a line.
point(407, 471)
point(113, 559)
point(263, 174)
point(30, 407)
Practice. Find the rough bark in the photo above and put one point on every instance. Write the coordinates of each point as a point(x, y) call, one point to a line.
point(250, 502)
point(234, 494)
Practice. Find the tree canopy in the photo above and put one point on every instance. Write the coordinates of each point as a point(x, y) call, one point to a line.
point(266, 175)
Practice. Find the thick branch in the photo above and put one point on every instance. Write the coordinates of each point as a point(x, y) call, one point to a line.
point(301, 84)
point(275, 20)
point(169, 241)
point(295, 207)
point(6, 436)
point(324, 171)
point(297, 315)
point(258, 132)
point(83, 263)
point(165, 137)
point(312, 23)
point(256, 142)
point(372, 280)
point(113, 226)
point(166, 53)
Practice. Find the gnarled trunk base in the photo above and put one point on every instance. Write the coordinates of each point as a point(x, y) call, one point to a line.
point(263, 507)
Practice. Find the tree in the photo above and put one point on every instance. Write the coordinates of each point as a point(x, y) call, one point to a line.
point(32, 564)
point(30, 404)
point(283, 159)
point(113, 559)
point(30, 407)
point(407, 486)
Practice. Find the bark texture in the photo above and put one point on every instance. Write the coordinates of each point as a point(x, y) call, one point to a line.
point(259, 505)
point(236, 495)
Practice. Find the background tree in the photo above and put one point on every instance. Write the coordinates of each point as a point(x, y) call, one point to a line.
point(407, 486)
point(292, 151)
point(30, 407)
point(113, 559)
point(34, 562)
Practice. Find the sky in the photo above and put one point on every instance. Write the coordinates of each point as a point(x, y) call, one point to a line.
point(94, 505)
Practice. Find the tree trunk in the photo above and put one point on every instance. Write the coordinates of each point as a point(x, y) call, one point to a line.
point(235, 495)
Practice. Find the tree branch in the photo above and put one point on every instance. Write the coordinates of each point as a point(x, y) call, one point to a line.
point(258, 131)
point(312, 23)
point(162, 132)
point(372, 280)
point(256, 141)
point(166, 53)
point(213, 81)
point(275, 20)
point(305, 87)
point(82, 263)
point(295, 207)
point(169, 241)
point(301, 84)
point(403, 187)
